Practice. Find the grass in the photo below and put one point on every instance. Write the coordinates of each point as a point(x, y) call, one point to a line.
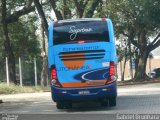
point(12, 89)
point(133, 82)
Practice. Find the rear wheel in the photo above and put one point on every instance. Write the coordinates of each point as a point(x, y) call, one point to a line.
point(112, 101)
point(63, 104)
point(59, 105)
point(68, 105)
point(104, 102)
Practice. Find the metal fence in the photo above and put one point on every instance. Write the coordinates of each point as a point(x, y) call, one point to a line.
point(28, 71)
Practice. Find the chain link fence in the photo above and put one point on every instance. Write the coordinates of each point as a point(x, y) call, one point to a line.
point(31, 70)
point(27, 69)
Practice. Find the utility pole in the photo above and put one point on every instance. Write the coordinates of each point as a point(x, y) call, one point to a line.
point(7, 71)
point(35, 71)
point(20, 72)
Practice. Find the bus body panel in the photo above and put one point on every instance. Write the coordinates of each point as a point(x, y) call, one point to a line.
point(74, 94)
point(50, 46)
point(82, 67)
point(93, 66)
point(111, 37)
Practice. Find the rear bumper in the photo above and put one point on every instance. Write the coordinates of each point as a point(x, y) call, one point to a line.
point(72, 94)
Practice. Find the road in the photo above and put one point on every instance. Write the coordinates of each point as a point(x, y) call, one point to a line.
point(132, 99)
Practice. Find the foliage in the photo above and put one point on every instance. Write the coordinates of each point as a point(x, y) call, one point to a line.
point(121, 52)
point(10, 16)
point(24, 32)
point(138, 20)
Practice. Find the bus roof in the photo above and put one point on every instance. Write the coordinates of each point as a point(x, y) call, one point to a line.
point(80, 19)
point(86, 29)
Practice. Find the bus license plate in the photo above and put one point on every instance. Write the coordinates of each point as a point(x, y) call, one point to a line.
point(84, 92)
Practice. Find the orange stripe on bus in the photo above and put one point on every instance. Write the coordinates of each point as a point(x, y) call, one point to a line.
point(83, 84)
point(74, 64)
point(73, 54)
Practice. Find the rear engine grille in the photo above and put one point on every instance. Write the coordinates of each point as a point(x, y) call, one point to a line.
point(82, 55)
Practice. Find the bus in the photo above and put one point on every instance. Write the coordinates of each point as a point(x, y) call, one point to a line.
point(82, 61)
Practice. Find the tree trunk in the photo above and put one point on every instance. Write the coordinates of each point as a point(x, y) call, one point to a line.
point(44, 72)
point(140, 74)
point(7, 45)
point(57, 12)
point(66, 11)
point(136, 59)
point(122, 78)
point(92, 5)
point(80, 6)
point(7, 19)
point(44, 28)
point(10, 55)
point(42, 16)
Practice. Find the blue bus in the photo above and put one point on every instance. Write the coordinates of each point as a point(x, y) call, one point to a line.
point(82, 61)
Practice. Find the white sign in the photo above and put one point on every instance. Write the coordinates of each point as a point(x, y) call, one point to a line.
point(105, 64)
point(75, 31)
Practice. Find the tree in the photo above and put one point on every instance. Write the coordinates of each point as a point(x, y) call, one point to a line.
point(62, 11)
point(57, 12)
point(122, 54)
point(22, 32)
point(139, 21)
point(67, 9)
point(44, 30)
point(86, 8)
point(8, 18)
point(13, 10)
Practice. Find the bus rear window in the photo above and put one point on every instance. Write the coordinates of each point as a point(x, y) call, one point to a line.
point(72, 32)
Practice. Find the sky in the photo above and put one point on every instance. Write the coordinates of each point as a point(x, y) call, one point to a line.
point(52, 15)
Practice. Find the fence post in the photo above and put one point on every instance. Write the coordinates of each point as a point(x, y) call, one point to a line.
point(150, 67)
point(20, 72)
point(7, 71)
point(35, 71)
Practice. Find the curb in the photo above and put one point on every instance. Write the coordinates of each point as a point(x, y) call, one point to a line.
point(136, 83)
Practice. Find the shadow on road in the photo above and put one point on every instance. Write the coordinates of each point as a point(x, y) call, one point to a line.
point(142, 104)
point(126, 104)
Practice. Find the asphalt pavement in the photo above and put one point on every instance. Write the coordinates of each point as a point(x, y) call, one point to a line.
point(133, 100)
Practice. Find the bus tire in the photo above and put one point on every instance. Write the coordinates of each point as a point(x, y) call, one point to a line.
point(112, 101)
point(63, 104)
point(68, 105)
point(59, 105)
point(104, 102)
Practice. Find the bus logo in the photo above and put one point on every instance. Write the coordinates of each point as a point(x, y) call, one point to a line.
point(75, 31)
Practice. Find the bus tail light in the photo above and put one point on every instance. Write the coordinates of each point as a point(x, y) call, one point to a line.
point(54, 78)
point(112, 73)
point(81, 42)
point(104, 19)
